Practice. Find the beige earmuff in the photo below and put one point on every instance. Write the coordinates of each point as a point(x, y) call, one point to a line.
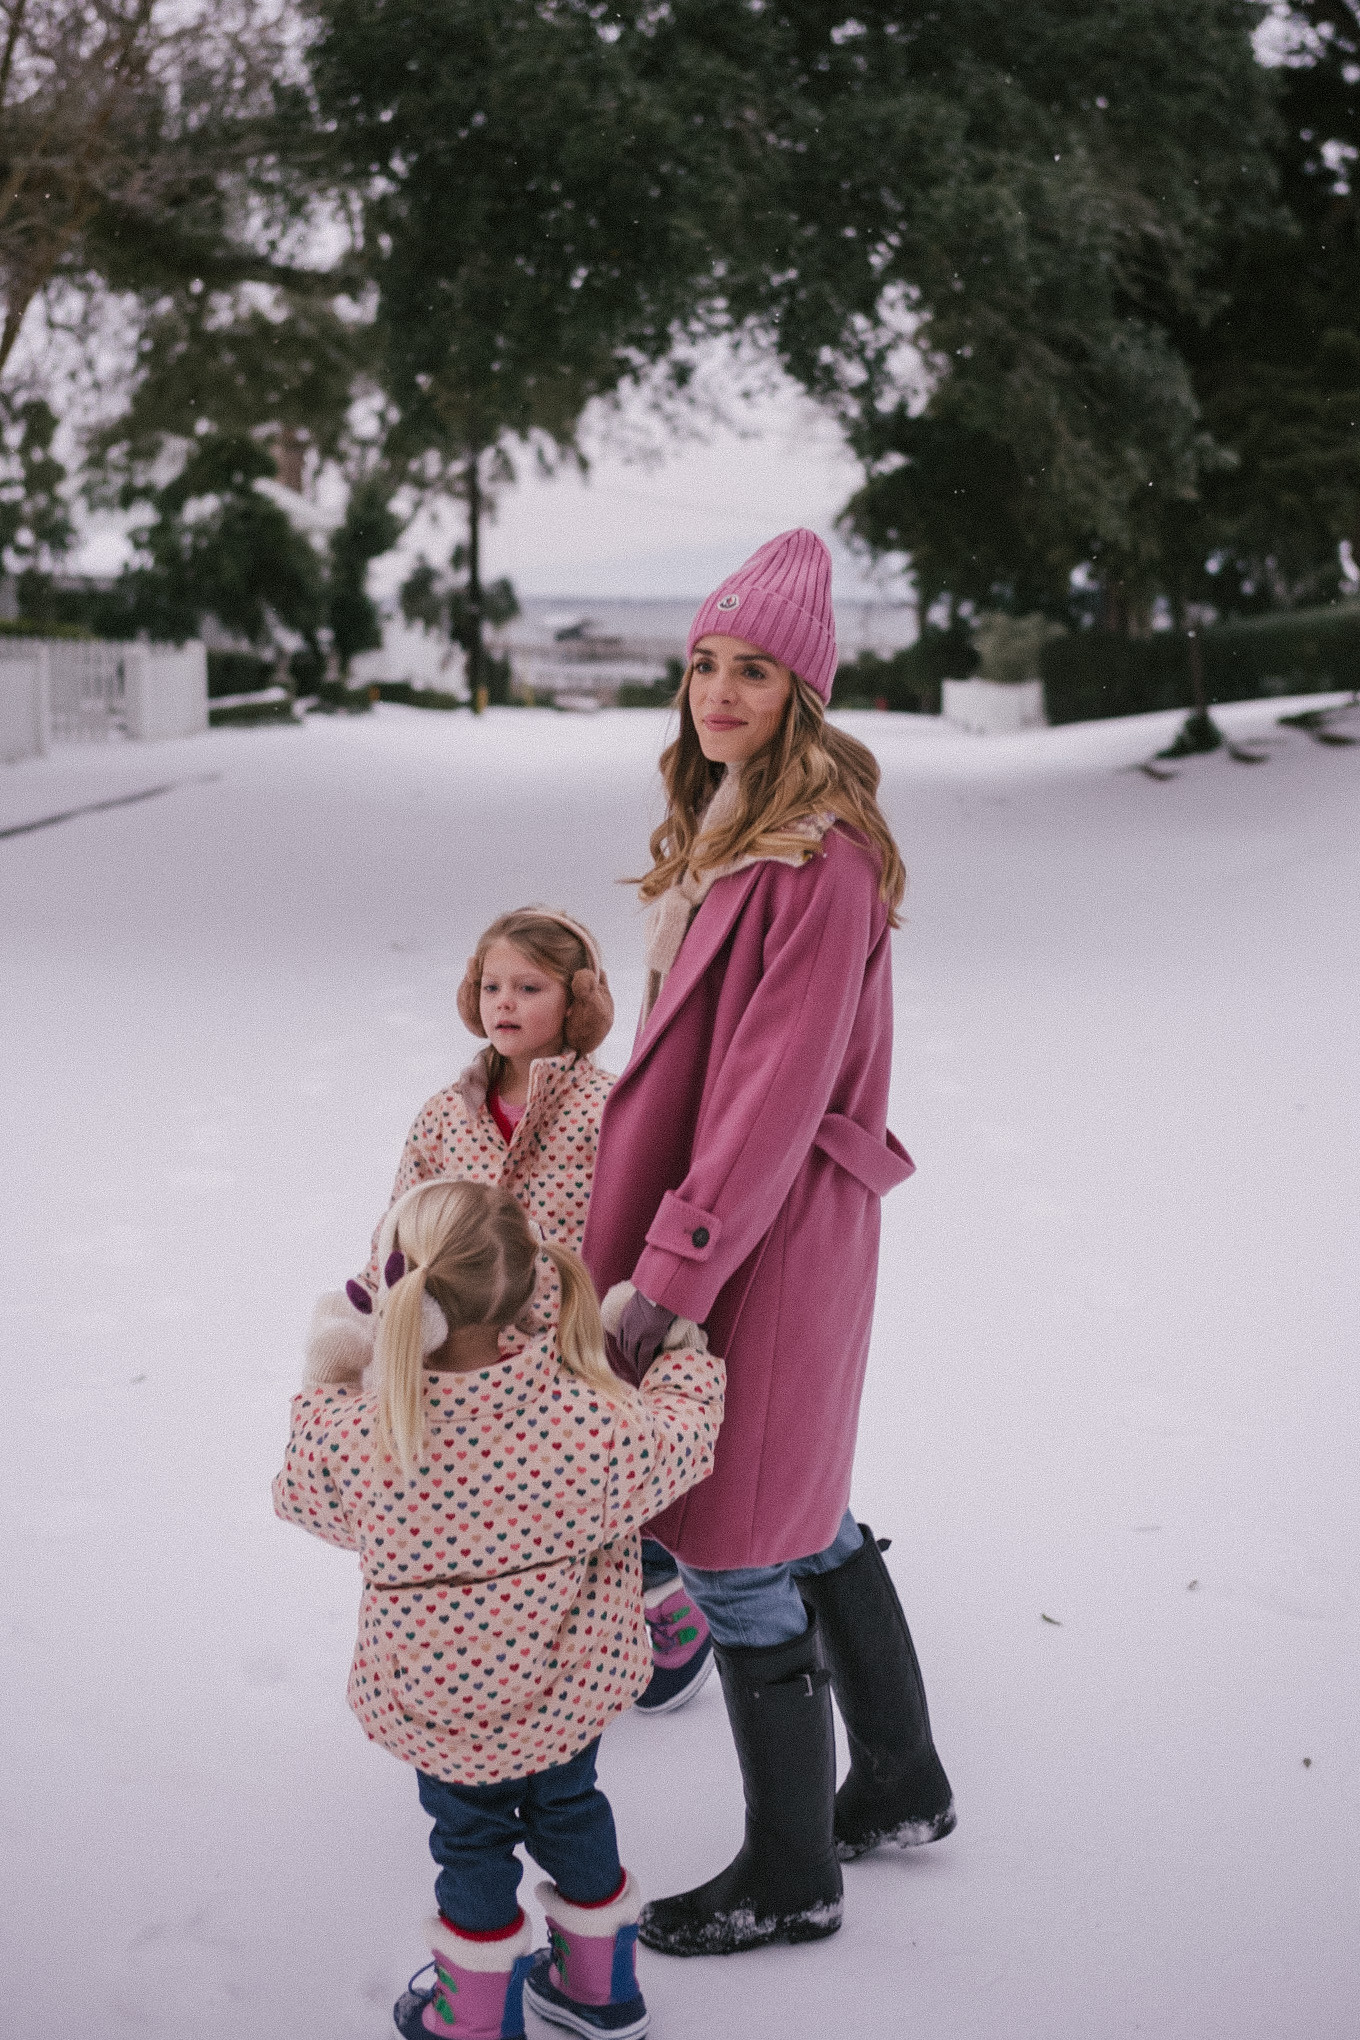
point(591, 1012)
point(470, 1000)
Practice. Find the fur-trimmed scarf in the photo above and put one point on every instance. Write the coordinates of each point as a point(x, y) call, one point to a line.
point(671, 912)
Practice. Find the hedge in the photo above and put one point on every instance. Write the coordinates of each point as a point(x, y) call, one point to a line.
point(25, 627)
point(909, 680)
point(239, 673)
point(269, 707)
point(1091, 674)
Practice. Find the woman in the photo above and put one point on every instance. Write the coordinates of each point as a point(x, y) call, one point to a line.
point(742, 1156)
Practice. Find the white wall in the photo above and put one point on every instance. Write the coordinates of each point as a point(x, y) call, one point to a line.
point(988, 708)
point(166, 691)
point(24, 719)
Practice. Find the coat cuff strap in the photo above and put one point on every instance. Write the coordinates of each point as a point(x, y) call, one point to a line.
point(684, 1229)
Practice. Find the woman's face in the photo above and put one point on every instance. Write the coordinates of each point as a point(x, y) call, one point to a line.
point(523, 1008)
point(737, 698)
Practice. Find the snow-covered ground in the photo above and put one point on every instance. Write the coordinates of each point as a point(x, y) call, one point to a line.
point(1114, 1380)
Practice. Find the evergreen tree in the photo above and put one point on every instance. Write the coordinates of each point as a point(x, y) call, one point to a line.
point(539, 214)
point(1277, 372)
point(368, 529)
point(215, 546)
point(35, 520)
point(443, 602)
point(977, 229)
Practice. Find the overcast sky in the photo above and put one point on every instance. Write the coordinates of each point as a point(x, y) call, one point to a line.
point(678, 524)
point(660, 513)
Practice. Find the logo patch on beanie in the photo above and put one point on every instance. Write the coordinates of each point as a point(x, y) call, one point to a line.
point(729, 602)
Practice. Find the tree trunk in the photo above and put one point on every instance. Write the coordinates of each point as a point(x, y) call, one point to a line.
point(1199, 731)
point(476, 649)
point(1197, 694)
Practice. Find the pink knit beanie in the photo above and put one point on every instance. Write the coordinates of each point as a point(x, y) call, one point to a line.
point(781, 601)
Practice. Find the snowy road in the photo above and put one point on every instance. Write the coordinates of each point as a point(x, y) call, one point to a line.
point(1114, 1381)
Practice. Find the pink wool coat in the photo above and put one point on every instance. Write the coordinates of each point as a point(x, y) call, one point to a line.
point(501, 1623)
point(548, 1165)
point(743, 1154)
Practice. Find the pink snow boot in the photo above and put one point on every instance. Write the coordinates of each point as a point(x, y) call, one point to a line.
point(587, 1979)
point(478, 1988)
point(682, 1649)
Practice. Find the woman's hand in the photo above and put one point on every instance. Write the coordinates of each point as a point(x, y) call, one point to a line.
point(637, 1326)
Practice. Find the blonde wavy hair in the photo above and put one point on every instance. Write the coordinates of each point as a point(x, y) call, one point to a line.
point(469, 1247)
point(809, 768)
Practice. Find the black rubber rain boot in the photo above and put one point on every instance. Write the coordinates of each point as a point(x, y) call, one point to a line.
point(785, 1882)
point(896, 1790)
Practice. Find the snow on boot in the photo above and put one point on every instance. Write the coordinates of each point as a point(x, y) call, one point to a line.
point(587, 1979)
point(682, 1649)
point(785, 1883)
point(478, 1988)
point(896, 1790)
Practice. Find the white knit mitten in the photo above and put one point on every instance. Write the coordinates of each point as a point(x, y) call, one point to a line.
point(339, 1343)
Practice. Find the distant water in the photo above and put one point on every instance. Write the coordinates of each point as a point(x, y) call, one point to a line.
point(571, 644)
point(576, 631)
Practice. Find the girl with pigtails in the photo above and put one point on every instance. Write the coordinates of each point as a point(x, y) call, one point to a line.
point(743, 1154)
point(526, 1113)
point(492, 1480)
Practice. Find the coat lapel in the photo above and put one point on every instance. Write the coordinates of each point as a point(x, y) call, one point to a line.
point(709, 930)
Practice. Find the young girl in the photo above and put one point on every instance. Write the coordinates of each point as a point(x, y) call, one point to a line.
point(526, 1114)
point(526, 1111)
point(492, 1486)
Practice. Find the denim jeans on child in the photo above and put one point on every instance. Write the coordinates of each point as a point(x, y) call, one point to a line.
point(657, 1564)
point(748, 1606)
point(561, 1816)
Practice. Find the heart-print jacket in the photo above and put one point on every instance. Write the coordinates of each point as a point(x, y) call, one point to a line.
point(548, 1165)
point(501, 1623)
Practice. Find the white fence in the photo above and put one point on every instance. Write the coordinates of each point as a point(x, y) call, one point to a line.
point(989, 708)
point(72, 690)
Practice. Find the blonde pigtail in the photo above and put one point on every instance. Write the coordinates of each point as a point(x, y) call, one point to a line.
point(580, 1332)
point(455, 1254)
point(401, 1370)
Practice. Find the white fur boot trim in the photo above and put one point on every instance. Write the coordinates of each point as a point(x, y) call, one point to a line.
point(595, 1922)
point(339, 1341)
point(488, 1957)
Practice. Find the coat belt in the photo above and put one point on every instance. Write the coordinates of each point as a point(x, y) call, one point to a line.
point(880, 1165)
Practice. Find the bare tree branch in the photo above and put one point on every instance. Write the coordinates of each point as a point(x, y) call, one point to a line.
point(13, 29)
point(137, 137)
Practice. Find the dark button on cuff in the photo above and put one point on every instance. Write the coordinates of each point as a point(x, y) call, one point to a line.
point(700, 1236)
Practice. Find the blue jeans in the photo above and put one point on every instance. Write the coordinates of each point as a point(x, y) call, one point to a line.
point(750, 1606)
point(560, 1815)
